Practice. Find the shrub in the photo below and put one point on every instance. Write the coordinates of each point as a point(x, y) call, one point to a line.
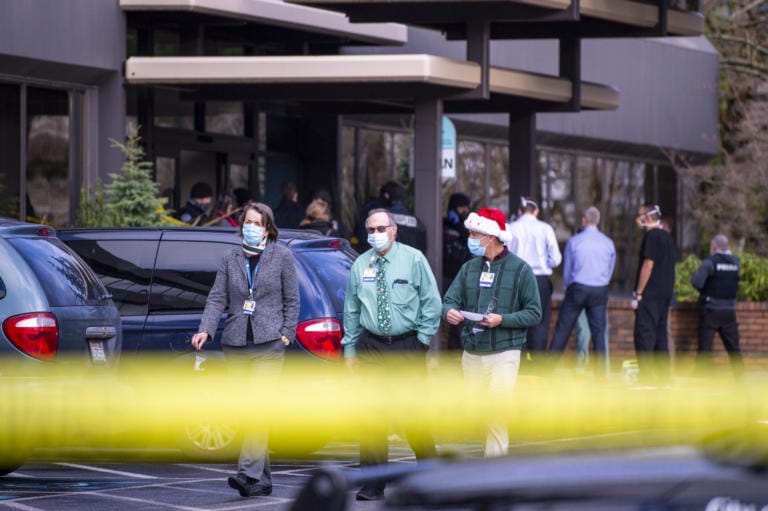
point(753, 286)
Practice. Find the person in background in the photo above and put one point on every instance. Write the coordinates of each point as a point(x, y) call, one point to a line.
point(289, 213)
point(502, 288)
point(195, 211)
point(534, 241)
point(654, 287)
point(256, 286)
point(717, 279)
point(455, 235)
point(318, 218)
point(589, 260)
point(324, 195)
point(455, 252)
point(391, 311)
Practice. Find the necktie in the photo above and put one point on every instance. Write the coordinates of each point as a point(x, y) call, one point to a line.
point(382, 297)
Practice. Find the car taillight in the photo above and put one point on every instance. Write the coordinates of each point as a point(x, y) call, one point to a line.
point(321, 337)
point(35, 334)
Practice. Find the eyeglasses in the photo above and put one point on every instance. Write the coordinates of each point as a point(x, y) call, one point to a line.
point(380, 228)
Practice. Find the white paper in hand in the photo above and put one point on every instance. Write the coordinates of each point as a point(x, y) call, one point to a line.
point(472, 316)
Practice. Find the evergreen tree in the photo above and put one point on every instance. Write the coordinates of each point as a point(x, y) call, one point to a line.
point(132, 197)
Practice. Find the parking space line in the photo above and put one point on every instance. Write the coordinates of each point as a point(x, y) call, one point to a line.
point(203, 467)
point(106, 470)
point(18, 505)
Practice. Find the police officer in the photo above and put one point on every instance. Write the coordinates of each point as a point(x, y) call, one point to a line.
point(717, 279)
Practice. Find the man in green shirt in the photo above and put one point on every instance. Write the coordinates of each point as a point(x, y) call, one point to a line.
point(391, 311)
point(496, 297)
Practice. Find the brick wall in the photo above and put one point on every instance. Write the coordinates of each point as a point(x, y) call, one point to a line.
point(683, 322)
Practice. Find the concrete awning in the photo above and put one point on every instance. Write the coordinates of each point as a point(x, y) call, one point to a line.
point(512, 18)
point(280, 14)
point(363, 78)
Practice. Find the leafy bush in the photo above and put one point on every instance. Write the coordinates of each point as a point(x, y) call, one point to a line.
point(684, 290)
point(753, 286)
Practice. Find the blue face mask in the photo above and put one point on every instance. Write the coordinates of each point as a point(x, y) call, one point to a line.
point(378, 240)
point(473, 244)
point(253, 234)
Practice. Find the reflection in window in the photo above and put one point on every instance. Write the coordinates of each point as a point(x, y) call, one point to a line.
point(171, 111)
point(181, 284)
point(48, 172)
point(471, 170)
point(224, 117)
point(165, 175)
point(125, 268)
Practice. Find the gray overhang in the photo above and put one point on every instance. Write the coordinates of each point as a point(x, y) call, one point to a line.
point(280, 14)
point(525, 18)
point(363, 83)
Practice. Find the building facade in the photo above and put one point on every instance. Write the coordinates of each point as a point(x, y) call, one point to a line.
point(306, 95)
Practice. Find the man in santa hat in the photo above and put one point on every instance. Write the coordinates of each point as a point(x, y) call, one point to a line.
point(495, 298)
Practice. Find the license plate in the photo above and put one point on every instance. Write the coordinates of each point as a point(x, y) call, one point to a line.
point(97, 351)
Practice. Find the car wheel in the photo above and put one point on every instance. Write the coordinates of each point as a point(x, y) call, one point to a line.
point(10, 464)
point(210, 441)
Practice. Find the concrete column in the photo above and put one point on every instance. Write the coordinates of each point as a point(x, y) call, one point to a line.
point(522, 157)
point(427, 142)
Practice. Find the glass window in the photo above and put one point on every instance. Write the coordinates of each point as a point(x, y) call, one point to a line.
point(184, 274)
point(125, 268)
point(10, 142)
point(165, 175)
point(65, 279)
point(171, 111)
point(498, 178)
point(224, 117)
point(48, 146)
point(471, 170)
point(570, 183)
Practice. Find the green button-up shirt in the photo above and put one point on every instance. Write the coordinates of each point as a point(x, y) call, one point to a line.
point(415, 303)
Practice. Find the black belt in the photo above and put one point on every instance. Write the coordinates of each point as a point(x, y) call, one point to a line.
point(389, 339)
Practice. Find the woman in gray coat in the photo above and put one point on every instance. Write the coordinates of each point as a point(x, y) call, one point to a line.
point(256, 286)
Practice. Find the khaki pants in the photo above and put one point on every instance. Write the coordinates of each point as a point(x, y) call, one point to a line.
point(494, 374)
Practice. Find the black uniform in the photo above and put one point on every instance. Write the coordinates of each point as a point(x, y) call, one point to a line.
point(651, 316)
point(717, 280)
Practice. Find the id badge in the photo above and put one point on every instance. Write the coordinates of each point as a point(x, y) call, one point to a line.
point(249, 306)
point(486, 279)
point(369, 275)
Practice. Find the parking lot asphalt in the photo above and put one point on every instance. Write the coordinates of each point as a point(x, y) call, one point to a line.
point(100, 484)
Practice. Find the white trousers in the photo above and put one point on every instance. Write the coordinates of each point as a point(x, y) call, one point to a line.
point(493, 374)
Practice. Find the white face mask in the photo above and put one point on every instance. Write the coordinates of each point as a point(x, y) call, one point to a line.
point(378, 240)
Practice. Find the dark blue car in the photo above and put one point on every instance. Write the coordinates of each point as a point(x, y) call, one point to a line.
point(159, 279)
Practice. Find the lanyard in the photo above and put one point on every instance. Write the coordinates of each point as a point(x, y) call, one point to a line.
point(249, 276)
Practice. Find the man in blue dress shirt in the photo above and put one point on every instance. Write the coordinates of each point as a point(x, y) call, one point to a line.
point(589, 260)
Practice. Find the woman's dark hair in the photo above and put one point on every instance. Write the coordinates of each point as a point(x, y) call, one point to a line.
point(267, 218)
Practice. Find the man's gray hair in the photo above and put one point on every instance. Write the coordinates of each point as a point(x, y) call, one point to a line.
point(380, 210)
point(592, 215)
point(720, 241)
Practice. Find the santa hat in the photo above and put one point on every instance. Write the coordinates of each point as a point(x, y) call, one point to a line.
point(489, 221)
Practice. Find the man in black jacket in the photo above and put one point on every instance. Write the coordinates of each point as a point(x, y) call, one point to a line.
point(717, 279)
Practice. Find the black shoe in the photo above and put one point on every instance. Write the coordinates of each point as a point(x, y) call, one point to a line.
point(370, 493)
point(248, 486)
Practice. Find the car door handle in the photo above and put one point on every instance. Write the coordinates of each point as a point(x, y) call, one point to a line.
point(100, 332)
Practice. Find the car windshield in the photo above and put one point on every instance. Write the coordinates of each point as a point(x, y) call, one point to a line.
point(66, 280)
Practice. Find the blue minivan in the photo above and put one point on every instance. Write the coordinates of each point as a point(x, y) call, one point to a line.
point(55, 314)
point(159, 279)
